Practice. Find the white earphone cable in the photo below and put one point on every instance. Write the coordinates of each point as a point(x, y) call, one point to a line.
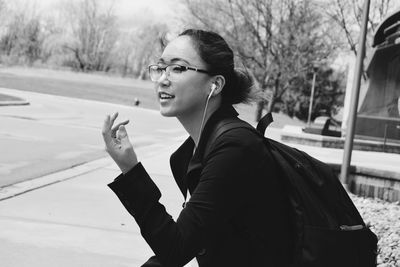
point(204, 116)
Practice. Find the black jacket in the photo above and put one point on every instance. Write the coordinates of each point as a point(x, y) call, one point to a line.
point(237, 214)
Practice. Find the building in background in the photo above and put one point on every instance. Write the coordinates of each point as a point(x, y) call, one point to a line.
point(378, 116)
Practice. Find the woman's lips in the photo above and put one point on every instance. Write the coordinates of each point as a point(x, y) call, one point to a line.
point(165, 96)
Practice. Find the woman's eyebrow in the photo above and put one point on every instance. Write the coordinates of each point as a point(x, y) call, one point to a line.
point(179, 59)
point(173, 60)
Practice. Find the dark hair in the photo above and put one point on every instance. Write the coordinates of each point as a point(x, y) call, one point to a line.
point(218, 56)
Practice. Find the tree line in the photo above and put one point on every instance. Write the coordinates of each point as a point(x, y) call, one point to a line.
point(284, 43)
point(81, 35)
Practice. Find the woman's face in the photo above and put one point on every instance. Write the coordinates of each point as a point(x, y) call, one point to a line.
point(182, 94)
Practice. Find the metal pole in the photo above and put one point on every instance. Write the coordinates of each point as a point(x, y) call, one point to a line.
point(385, 137)
point(348, 146)
point(311, 99)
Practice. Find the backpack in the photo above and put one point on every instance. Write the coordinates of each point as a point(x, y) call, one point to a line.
point(329, 230)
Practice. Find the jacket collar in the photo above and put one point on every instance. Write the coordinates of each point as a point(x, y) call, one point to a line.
point(183, 163)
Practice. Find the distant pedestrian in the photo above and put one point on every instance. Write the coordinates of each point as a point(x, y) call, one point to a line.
point(136, 101)
point(237, 213)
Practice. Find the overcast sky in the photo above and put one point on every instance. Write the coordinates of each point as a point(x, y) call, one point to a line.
point(129, 12)
point(124, 7)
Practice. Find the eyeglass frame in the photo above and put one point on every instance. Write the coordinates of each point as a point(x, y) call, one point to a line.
point(167, 72)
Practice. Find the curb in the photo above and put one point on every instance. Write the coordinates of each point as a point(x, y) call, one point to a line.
point(20, 188)
point(367, 171)
point(294, 135)
point(14, 103)
point(60, 176)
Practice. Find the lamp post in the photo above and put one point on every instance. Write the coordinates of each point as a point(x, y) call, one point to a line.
point(311, 97)
point(348, 146)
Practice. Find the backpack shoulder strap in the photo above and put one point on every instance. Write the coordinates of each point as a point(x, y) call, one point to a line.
point(264, 123)
point(233, 123)
point(222, 127)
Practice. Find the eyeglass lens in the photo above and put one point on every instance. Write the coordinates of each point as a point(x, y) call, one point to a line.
point(156, 72)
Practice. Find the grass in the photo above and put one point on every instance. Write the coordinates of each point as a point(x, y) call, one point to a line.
point(101, 87)
point(4, 97)
point(79, 85)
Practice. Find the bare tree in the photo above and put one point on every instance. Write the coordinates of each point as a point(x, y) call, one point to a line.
point(2, 8)
point(138, 48)
point(279, 40)
point(92, 34)
point(148, 47)
point(22, 38)
point(346, 14)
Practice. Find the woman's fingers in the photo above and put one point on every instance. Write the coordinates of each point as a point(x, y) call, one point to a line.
point(113, 118)
point(117, 143)
point(109, 131)
point(106, 129)
point(109, 121)
point(116, 127)
point(123, 136)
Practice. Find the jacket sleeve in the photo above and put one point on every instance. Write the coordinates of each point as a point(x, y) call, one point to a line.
point(152, 262)
point(218, 196)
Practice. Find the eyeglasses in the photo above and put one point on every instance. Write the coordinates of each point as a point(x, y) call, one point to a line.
point(172, 71)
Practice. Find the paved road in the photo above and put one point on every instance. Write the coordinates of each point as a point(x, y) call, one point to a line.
point(55, 133)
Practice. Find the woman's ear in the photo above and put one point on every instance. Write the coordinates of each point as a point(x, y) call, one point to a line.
point(218, 84)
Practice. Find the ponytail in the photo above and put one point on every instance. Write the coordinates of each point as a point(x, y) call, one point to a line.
point(240, 85)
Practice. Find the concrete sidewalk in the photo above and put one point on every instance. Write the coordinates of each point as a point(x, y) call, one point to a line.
point(76, 220)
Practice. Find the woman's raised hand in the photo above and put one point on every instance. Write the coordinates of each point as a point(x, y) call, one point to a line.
point(117, 143)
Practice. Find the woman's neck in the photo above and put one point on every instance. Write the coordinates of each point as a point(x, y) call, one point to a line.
point(192, 123)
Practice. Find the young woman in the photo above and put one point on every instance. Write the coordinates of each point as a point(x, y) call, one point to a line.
point(237, 213)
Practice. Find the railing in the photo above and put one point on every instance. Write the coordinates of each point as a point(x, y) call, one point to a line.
point(396, 127)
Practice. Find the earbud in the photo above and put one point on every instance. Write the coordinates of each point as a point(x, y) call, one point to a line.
point(213, 87)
